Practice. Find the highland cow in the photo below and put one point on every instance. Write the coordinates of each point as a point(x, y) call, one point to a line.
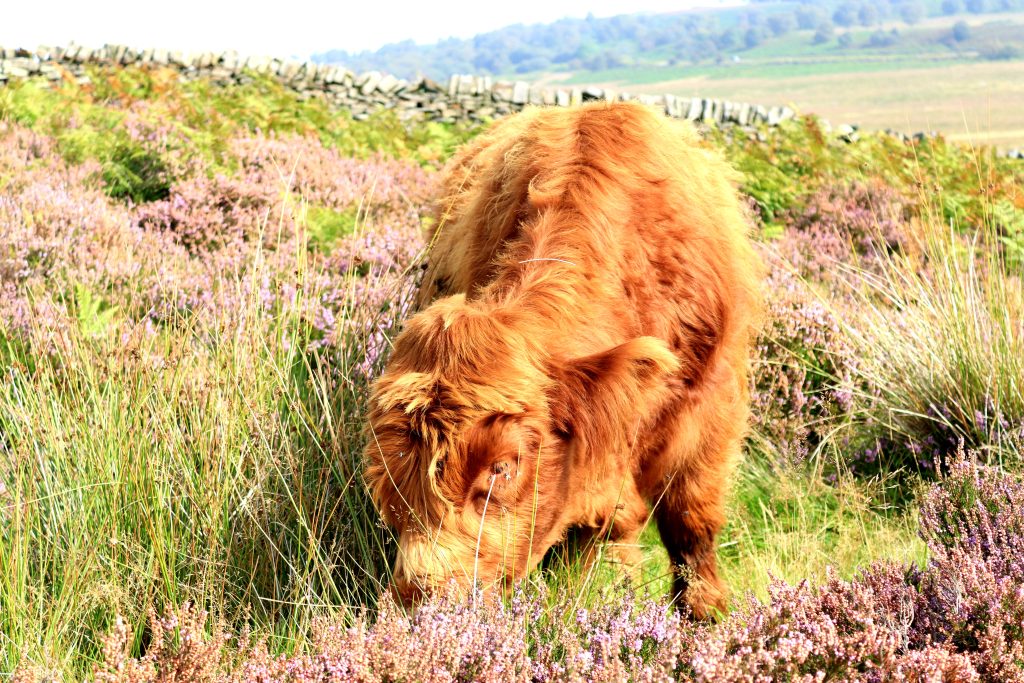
point(580, 359)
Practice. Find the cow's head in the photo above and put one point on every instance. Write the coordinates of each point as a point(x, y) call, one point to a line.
point(478, 432)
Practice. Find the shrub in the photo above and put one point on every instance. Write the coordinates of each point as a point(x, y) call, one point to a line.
point(805, 381)
point(132, 172)
point(961, 31)
point(801, 381)
point(971, 597)
point(147, 129)
point(999, 52)
point(883, 38)
point(824, 32)
point(942, 351)
point(957, 619)
point(449, 638)
point(795, 161)
point(857, 225)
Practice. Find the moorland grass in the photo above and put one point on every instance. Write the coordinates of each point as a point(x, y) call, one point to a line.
point(213, 456)
point(216, 463)
point(214, 466)
point(940, 336)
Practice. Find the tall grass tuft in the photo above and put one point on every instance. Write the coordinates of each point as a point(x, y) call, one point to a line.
point(939, 336)
point(215, 461)
point(793, 523)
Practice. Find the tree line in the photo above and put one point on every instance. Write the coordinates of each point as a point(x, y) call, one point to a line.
point(596, 44)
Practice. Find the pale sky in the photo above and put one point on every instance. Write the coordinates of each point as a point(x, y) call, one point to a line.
point(287, 28)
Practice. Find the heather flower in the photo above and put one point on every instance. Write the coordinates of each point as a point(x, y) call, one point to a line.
point(843, 226)
point(802, 383)
point(199, 252)
point(973, 595)
point(450, 637)
point(801, 634)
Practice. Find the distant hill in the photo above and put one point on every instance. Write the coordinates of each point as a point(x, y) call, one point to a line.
point(640, 41)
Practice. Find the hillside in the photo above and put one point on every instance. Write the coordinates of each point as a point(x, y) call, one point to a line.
point(199, 282)
point(905, 66)
point(765, 32)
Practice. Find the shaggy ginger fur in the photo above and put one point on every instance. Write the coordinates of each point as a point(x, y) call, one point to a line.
point(587, 358)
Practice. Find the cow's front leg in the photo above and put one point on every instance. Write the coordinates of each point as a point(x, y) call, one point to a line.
point(616, 537)
point(690, 514)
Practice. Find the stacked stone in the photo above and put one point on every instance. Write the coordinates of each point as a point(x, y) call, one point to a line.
point(467, 98)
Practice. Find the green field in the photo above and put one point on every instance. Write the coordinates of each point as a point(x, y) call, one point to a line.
point(648, 78)
point(918, 84)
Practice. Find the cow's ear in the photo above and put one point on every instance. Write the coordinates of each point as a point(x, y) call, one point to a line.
point(601, 399)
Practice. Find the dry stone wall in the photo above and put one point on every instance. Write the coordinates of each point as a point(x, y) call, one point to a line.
point(464, 98)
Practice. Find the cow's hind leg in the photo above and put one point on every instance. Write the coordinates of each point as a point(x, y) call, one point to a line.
point(690, 514)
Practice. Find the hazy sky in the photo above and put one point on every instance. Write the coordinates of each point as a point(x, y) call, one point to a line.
point(286, 27)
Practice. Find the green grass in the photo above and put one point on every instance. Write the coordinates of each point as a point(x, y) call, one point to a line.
point(630, 77)
point(788, 522)
point(940, 334)
point(326, 226)
point(792, 523)
point(214, 468)
point(221, 465)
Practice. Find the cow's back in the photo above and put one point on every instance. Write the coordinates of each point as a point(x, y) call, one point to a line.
point(669, 254)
